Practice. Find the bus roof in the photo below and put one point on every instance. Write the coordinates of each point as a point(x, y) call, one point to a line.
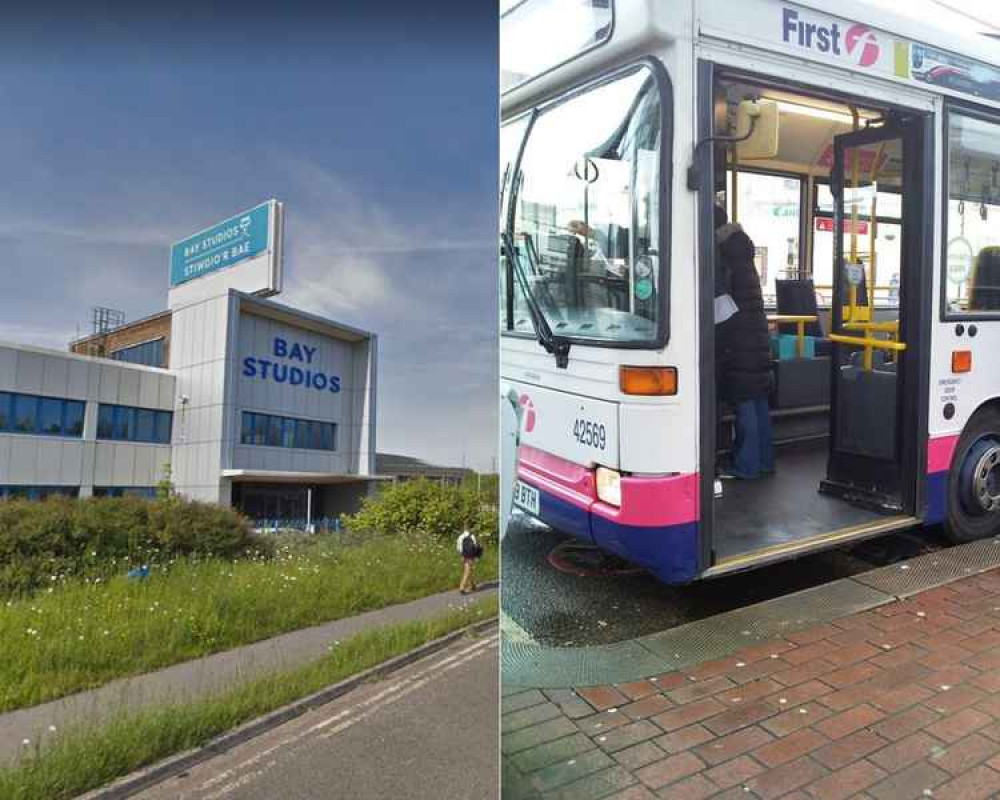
point(759, 23)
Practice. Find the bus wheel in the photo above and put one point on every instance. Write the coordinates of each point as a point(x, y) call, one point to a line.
point(974, 485)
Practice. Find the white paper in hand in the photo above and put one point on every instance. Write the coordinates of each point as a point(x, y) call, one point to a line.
point(725, 307)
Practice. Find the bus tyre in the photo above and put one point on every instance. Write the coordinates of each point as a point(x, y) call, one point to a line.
point(974, 481)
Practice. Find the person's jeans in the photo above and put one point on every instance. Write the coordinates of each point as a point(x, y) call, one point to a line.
point(753, 451)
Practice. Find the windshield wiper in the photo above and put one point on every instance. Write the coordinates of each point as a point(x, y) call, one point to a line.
point(556, 345)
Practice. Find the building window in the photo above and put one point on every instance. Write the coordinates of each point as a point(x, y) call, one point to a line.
point(151, 354)
point(128, 424)
point(47, 416)
point(148, 492)
point(37, 492)
point(302, 434)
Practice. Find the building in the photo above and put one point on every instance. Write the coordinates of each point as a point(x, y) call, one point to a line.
point(246, 401)
point(399, 468)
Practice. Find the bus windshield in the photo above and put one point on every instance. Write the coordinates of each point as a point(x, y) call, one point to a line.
point(587, 214)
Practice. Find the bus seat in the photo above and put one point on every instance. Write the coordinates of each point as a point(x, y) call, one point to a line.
point(984, 284)
point(801, 382)
point(866, 412)
point(798, 297)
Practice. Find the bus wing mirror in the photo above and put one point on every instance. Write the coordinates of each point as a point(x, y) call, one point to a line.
point(758, 122)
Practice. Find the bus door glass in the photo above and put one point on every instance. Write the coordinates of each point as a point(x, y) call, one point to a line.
point(868, 183)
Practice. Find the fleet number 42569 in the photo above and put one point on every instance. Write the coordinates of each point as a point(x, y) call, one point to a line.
point(590, 434)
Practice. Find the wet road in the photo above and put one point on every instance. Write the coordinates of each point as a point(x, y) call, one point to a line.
point(561, 609)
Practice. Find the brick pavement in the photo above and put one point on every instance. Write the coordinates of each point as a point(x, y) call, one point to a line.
point(902, 701)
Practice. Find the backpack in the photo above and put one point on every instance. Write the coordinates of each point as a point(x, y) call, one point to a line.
point(470, 547)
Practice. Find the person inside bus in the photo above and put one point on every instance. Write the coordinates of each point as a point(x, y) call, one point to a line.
point(743, 353)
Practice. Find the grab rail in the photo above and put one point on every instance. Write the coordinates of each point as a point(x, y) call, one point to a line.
point(800, 321)
point(869, 344)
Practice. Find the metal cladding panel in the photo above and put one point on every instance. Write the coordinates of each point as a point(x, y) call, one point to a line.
point(291, 371)
point(78, 379)
point(109, 384)
point(71, 471)
point(124, 464)
point(4, 458)
point(128, 388)
point(30, 372)
point(149, 395)
point(55, 377)
point(104, 464)
point(8, 368)
point(23, 459)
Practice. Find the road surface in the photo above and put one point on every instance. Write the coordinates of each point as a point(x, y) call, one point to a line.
point(428, 731)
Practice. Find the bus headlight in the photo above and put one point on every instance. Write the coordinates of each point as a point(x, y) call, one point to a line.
point(609, 486)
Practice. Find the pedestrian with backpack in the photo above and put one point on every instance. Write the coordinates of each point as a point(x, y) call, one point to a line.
point(471, 551)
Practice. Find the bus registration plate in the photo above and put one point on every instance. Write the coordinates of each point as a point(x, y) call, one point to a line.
point(526, 497)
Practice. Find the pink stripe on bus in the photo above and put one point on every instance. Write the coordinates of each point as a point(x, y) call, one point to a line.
point(564, 479)
point(646, 500)
point(655, 501)
point(940, 452)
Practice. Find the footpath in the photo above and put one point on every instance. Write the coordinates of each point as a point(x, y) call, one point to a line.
point(900, 701)
point(212, 674)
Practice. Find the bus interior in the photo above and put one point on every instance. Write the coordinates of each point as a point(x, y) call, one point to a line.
point(838, 470)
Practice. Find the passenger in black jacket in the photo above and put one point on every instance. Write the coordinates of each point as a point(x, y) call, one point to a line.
point(743, 353)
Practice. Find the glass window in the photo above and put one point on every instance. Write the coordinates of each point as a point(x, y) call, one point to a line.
point(274, 430)
point(151, 354)
point(537, 35)
point(145, 425)
point(302, 434)
point(587, 215)
point(5, 418)
point(329, 436)
point(164, 426)
point(50, 416)
point(25, 413)
point(246, 428)
point(124, 424)
point(972, 268)
point(73, 421)
point(106, 422)
point(288, 433)
point(769, 212)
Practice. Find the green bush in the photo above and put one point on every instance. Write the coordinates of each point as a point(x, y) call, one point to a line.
point(96, 537)
point(426, 507)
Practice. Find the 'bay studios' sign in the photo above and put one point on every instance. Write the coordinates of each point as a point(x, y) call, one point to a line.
point(291, 363)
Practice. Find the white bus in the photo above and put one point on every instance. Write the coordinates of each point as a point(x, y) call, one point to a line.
point(624, 122)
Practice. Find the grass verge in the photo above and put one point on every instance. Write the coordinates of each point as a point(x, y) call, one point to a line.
point(82, 634)
point(80, 759)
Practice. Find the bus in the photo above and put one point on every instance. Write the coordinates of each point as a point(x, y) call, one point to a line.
point(860, 152)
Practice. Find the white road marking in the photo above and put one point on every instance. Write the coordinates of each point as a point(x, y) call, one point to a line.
point(367, 708)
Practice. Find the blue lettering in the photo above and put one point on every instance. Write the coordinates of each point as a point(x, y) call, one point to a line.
point(310, 352)
point(320, 381)
point(264, 364)
point(280, 377)
point(296, 352)
point(823, 40)
point(295, 376)
point(334, 383)
point(280, 347)
point(249, 367)
point(835, 35)
point(789, 23)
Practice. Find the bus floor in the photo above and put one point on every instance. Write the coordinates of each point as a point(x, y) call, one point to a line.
point(784, 507)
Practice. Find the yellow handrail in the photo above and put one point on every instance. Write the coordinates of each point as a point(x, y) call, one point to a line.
point(800, 321)
point(868, 344)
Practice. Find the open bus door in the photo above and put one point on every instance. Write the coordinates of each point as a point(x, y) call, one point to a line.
point(877, 380)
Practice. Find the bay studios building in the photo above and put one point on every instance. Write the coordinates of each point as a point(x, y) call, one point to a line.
point(239, 399)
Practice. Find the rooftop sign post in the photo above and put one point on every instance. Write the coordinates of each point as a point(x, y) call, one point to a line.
point(242, 252)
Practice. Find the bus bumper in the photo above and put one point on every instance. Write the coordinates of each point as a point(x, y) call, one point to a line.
point(655, 527)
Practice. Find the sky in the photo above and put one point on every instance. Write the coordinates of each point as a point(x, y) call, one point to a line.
point(126, 129)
